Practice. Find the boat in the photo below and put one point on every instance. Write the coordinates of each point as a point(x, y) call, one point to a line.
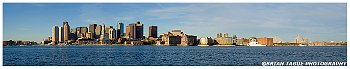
point(255, 44)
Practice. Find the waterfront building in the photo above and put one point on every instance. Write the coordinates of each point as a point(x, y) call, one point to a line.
point(136, 31)
point(120, 27)
point(112, 34)
point(133, 42)
point(265, 41)
point(85, 41)
point(92, 28)
point(324, 43)
point(8, 43)
point(60, 34)
point(223, 40)
point(152, 31)
point(177, 37)
point(226, 35)
point(171, 40)
point(188, 40)
point(66, 31)
point(206, 41)
point(54, 34)
point(176, 32)
point(98, 31)
point(242, 41)
point(218, 35)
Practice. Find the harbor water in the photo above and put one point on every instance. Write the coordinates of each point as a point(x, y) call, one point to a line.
point(166, 55)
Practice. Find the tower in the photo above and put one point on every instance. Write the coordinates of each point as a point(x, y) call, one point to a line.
point(112, 34)
point(54, 35)
point(152, 31)
point(60, 34)
point(66, 31)
point(135, 30)
point(92, 28)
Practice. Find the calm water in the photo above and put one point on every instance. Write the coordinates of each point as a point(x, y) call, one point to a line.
point(165, 55)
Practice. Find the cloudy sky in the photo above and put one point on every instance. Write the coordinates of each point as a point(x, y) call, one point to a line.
point(317, 22)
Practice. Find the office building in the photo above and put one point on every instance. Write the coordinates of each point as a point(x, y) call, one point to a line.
point(92, 28)
point(265, 41)
point(206, 41)
point(177, 37)
point(60, 34)
point(107, 29)
point(223, 40)
point(188, 40)
point(152, 31)
point(127, 31)
point(55, 34)
point(102, 35)
point(112, 34)
point(242, 41)
point(66, 31)
point(120, 27)
point(98, 31)
point(136, 31)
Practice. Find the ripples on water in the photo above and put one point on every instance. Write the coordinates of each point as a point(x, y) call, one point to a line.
point(165, 55)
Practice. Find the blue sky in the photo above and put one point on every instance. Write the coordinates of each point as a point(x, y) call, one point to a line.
point(317, 22)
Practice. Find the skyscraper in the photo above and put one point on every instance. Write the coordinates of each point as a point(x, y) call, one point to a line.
point(66, 31)
point(98, 31)
point(54, 35)
point(92, 28)
point(120, 27)
point(112, 34)
point(136, 30)
point(103, 29)
point(107, 29)
point(60, 34)
point(127, 31)
point(152, 31)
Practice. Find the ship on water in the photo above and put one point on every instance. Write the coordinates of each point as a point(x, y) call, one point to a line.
point(255, 44)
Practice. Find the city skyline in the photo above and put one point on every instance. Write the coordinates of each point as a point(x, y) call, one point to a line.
point(244, 20)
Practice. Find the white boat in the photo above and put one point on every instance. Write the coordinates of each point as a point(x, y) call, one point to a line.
point(255, 44)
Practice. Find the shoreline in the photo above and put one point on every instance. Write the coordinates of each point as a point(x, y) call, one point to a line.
point(181, 46)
